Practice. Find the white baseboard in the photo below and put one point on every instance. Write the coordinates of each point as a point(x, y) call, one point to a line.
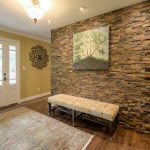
point(34, 97)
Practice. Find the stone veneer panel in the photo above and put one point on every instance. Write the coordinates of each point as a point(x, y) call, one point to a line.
point(127, 82)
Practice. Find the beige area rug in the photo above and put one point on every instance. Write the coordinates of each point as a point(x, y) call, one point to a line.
point(25, 129)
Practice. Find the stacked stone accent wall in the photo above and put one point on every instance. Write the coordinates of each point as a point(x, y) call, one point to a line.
point(127, 82)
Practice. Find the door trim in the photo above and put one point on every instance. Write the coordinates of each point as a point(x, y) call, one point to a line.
point(18, 64)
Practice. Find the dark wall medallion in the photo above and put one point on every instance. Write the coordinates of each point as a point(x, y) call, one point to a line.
point(38, 56)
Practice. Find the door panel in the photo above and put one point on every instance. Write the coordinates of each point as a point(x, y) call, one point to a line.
point(3, 95)
point(8, 73)
point(1, 71)
point(12, 64)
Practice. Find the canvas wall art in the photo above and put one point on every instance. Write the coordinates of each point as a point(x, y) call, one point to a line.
point(91, 49)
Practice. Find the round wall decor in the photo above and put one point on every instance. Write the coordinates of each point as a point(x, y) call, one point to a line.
point(38, 57)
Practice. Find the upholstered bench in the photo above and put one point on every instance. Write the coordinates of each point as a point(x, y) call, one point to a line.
point(102, 110)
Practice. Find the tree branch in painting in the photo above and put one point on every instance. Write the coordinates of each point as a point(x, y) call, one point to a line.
point(91, 49)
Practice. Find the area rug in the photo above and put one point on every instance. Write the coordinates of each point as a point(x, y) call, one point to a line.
point(25, 129)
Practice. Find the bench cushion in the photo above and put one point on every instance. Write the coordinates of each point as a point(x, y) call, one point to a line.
point(100, 109)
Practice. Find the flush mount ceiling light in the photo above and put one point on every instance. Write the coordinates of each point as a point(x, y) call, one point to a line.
point(49, 21)
point(83, 9)
point(35, 8)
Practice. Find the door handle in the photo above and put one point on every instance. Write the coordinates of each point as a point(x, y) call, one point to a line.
point(5, 78)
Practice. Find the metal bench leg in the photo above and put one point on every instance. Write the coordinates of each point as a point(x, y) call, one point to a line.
point(73, 117)
point(113, 126)
point(117, 118)
point(111, 129)
point(49, 108)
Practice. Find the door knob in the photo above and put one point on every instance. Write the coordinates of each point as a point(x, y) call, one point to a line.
point(5, 78)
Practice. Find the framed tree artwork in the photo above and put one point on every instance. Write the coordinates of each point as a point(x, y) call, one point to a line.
point(91, 49)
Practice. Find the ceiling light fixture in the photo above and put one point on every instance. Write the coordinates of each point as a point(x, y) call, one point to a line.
point(49, 21)
point(83, 8)
point(34, 10)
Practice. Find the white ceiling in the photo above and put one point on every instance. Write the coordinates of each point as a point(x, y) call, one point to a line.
point(62, 12)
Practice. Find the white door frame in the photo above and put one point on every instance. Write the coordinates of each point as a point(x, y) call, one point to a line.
point(18, 64)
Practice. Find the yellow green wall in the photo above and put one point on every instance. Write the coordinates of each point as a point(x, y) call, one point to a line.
point(31, 79)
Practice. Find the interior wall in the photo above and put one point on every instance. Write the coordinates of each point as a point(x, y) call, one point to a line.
point(30, 78)
point(126, 82)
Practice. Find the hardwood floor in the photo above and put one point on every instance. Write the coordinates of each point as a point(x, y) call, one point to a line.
point(123, 139)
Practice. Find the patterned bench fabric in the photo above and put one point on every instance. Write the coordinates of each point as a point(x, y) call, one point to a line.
point(100, 109)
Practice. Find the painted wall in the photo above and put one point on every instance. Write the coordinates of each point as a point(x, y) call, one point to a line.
point(31, 79)
point(126, 83)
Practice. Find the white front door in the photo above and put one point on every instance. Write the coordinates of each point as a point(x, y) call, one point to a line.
point(8, 72)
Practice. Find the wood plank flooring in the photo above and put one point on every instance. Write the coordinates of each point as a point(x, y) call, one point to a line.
point(123, 139)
